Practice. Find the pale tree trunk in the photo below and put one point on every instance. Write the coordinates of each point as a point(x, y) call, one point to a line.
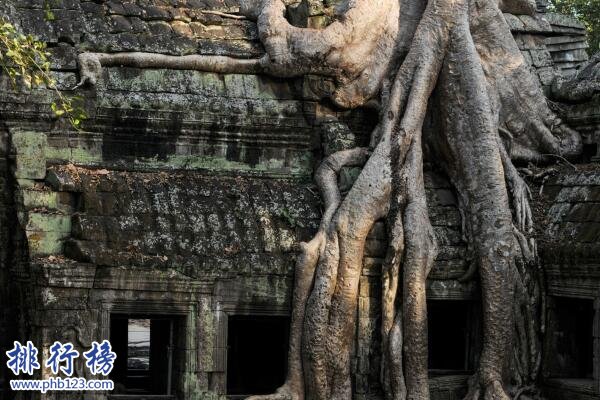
point(457, 61)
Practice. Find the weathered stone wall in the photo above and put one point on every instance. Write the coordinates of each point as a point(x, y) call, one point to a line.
point(553, 44)
point(571, 244)
point(570, 253)
point(585, 117)
point(5, 211)
point(100, 237)
point(567, 43)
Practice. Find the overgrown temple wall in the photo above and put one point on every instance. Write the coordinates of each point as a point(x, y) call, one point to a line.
point(185, 192)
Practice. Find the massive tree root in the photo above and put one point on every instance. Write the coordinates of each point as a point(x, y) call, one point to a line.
point(456, 63)
point(483, 88)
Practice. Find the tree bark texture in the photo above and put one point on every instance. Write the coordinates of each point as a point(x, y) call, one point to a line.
point(453, 63)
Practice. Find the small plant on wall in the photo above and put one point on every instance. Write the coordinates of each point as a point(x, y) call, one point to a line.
point(25, 60)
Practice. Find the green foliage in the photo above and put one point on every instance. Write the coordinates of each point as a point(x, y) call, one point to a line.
point(48, 14)
point(25, 60)
point(588, 12)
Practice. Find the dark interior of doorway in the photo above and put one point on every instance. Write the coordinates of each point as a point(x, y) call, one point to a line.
point(144, 363)
point(256, 353)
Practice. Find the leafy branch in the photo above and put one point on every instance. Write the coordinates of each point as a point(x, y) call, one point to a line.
point(25, 60)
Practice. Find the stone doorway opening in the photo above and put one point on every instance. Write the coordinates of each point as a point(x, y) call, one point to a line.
point(571, 351)
point(146, 348)
point(450, 336)
point(256, 354)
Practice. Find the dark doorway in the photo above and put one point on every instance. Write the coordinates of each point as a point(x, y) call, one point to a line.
point(571, 352)
point(256, 353)
point(144, 346)
point(449, 333)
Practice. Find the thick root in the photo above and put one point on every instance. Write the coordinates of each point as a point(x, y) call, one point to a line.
point(90, 64)
point(306, 263)
point(285, 392)
point(326, 179)
point(394, 384)
point(366, 31)
point(473, 140)
point(403, 119)
point(490, 391)
point(367, 201)
point(531, 129)
point(495, 391)
point(421, 250)
point(392, 375)
point(471, 148)
point(520, 192)
point(482, 71)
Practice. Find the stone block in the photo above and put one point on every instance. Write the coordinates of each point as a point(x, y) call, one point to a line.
point(181, 28)
point(337, 136)
point(92, 202)
point(115, 7)
point(527, 42)
point(541, 58)
point(63, 56)
point(180, 14)
point(573, 194)
point(584, 178)
point(514, 22)
point(160, 28)
point(32, 3)
point(65, 80)
point(588, 232)
point(546, 75)
point(527, 57)
point(583, 212)
point(25, 183)
point(119, 23)
point(88, 228)
point(535, 24)
point(42, 243)
point(89, 7)
point(451, 253)
point(561, 20)
point(61, 181)
point(29, 150)
point(156, 13)
point(447, 236)
point(45, 222)
point(132, 9)
point(39, 199)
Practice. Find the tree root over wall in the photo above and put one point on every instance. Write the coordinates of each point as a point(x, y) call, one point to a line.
point(459, 59)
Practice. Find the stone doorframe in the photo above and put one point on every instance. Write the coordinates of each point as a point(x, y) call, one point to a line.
point(224, 309)
point(591, 293)
point(184, 310)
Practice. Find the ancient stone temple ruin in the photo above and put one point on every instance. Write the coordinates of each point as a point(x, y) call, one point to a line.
point(178, 206)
